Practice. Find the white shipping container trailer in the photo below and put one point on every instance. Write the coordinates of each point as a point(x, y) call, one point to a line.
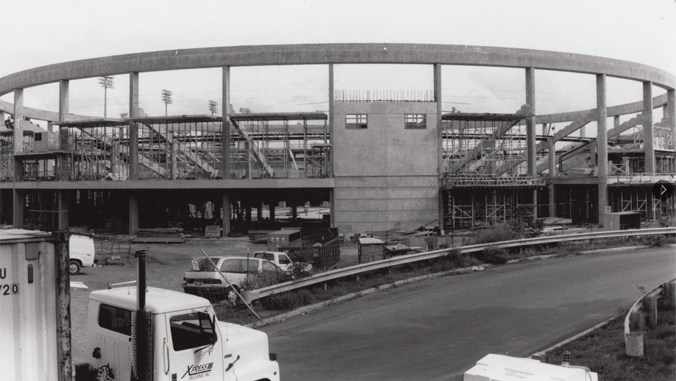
point(28, 305)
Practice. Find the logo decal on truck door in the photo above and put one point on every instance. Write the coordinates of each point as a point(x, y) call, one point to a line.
point(104, 373)
point(198, 371)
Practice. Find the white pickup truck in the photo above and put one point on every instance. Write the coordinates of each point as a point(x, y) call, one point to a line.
point(188, 342)
point(283, 261)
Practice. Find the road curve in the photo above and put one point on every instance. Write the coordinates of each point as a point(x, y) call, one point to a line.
point(437, 329)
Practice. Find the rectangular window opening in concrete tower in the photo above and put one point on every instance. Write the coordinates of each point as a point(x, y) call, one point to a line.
point(415, 122)
point(356, 121)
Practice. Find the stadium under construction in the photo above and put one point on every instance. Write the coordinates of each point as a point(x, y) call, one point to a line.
point(376, 161)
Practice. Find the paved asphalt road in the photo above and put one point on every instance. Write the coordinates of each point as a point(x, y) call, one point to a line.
point(438, 329)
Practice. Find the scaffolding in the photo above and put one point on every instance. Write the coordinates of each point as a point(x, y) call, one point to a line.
point(471, 208)
point(640, 198)
point(281, 145)
point(480, 144)
point(179, 148)
point(173, 148)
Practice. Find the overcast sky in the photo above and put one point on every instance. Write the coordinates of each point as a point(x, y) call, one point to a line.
point(35, 33)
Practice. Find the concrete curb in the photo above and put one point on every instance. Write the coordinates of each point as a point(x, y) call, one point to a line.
point(314, 307)
point(623, 248)
point(542, 355)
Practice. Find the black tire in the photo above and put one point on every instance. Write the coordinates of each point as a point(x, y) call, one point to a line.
point(73, 267)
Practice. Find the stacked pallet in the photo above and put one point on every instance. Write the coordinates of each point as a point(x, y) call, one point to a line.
point(160, 235)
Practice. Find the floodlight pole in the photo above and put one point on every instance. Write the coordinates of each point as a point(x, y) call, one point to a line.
point(106, 82)
point(213, 107)
point(166, 98)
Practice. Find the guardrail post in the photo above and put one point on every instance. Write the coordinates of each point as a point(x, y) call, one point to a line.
point(635, 344)
point(634, 340)
point(650, 305)
point(637, 322)
point(670, 293)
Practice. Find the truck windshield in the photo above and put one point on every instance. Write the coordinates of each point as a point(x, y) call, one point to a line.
point(191, 330)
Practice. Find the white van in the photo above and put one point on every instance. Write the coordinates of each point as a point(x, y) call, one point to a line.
point(82, 252)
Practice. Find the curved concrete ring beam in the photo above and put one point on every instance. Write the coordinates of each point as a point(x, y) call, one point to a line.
point(312, 54)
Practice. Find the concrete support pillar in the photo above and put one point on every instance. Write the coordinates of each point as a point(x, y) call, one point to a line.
point(174, 157)
point(64, 105)
point(133, 213)
point(17, 210)
point(648, 138)
point(225, 139)
point(63, 210)
point(18, 121)
point(294, 210)
point(551, 146)
point(227, 213)
point(64, 109)
point(133, 128)
point(273, 204)
point(602, 144)
point(440, 145)
point(332, 210)
point(552, 200)
point(332, 153)
point(670, 114)
point(247, 207)
point(259, 212)
point(531, 122)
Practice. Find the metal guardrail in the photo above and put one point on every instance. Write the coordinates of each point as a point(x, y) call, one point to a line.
point(252, 295)
point(634, 322)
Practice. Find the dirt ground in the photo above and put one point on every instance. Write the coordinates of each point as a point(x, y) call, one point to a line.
point(165, 266)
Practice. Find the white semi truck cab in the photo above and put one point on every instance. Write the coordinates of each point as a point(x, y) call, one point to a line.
point(186, 340)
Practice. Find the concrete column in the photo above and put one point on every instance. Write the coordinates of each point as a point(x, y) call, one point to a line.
point(259, 212)
point(226, 213)
point(332, 209)
point(602, 144)
point(174, 157)
point(64, 109)
point(17, 195)
point(247, 206)
point(133, 213)
point(133, 128)
point(648, 139)
point(225, 140)
point(551, 146)
point(329, 162)
point(18, 120)
point(531, 122)
point(670, 114)
point(440, 145)
point(64, 105)
point(63, 210)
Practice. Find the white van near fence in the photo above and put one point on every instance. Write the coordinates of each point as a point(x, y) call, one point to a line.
point(82, 252)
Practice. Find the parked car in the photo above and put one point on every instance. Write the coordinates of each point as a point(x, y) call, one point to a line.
point(240, 273)
point(82, 252)
point(282, 260)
